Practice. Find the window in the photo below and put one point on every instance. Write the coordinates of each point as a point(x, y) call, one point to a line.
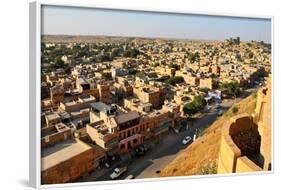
point(135, 141)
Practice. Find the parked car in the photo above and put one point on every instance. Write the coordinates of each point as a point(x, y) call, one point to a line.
point(217, 106)
point(186, 140)
point(220, 113)
point(117, 172)
point(107, 164)
point(130, 177)
point(145, 147)
point(139, 151)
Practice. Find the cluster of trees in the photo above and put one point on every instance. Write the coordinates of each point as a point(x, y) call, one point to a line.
point(205, 89)
point(267, 45)
point(132, 71)
point(231, 88)
point(107, 76)
point(175, 66)
point(58, 64)
point(131, 53)
point(163, 78)
point(235, 41)
point(193, 107)
point(193, 57)
point(156, 64)
point(140, 74)
point(96, 52)
point(174, 80)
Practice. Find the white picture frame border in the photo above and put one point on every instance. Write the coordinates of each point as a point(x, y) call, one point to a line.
point(35, 11)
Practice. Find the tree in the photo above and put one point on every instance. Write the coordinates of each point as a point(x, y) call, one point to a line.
point(58, 64)
point(231, 88)
point(156, 64)
point(205, 90)
point(174, 80)
point(163, 78)
point(107, 76)
point(192, 57)
point(175, 66)
point(190, 108)
point(115, 52)
point(251, 55)
point(132, 71)
point(194, 106)
point(235, 41)
point(131, 53)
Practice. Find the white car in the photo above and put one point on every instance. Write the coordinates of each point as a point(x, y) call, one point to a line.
point(186, 140)
point(118, 172)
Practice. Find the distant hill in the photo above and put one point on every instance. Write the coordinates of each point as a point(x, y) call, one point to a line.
point(81, 39)
point(103, 39)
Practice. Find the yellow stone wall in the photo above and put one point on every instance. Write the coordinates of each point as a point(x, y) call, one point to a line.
point(230, 159)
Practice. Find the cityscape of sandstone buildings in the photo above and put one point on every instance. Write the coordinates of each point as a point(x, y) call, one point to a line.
point(99, 110)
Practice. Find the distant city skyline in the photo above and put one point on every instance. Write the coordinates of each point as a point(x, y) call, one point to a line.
point(58, 20)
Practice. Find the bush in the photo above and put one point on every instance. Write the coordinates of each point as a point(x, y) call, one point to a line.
point(209, 169)
point(234, 109)
point(200, 132)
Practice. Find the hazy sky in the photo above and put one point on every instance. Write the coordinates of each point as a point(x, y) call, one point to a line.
point(85, 21)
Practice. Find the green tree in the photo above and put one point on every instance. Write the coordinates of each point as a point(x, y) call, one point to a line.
point(131, 53)
point(192, 57)
point(190, 108)
point(132, 71)
point(58, 63)
point(174, 80)
point(175, 66)
point(193, 107)
point(231, 88)
point(204, 90)
point(107, 76)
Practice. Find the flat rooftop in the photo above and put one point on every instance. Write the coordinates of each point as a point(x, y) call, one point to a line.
point(122, 118)
point(100, 106)
point(52, 116)
point(61, 152)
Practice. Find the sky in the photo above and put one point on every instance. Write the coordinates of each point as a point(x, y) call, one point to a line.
point(58, 20)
